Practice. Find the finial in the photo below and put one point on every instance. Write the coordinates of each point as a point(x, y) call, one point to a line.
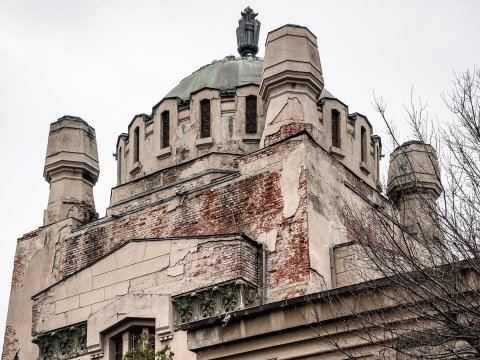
point(247, 33)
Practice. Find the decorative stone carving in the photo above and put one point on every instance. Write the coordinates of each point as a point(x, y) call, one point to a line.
point(247, 33)
point(183, 102)
point(227, 92)
point(213, 301)
point(63, 344)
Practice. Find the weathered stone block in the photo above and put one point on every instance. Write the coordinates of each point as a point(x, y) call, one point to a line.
point(130, 254)
point(79, 283)
point(114, 290)
point(105, 265)
point(92, 297)
point(67, 304)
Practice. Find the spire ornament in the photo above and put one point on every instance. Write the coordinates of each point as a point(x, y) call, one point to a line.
point(247, 33)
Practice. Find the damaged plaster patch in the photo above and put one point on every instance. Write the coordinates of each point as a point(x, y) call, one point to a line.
point(290, 181)
point(179, 250)
point(174, 203)
point(292, 111)
point(175, 270)
point(269, 238)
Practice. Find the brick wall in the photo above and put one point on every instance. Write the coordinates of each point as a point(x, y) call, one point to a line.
point(251, 204)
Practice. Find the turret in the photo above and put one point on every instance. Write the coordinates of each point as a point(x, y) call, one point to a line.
point(291, 83)
point(414, 186)
point(71, 169)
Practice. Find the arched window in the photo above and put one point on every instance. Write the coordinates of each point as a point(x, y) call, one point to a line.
point(205, 119)
point(336, 128)
point(165, 129)
point(363, 145)
point(136, 144)
point(251, 114)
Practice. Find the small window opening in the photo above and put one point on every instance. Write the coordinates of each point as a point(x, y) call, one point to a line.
point(118, 347)
point(135, 336)
point(336, 128)
point(136, 144)
point(377, 157)
point(205, 120)
point(165, 129)
point(119, 165)
point(251, 115)
point(363, 146)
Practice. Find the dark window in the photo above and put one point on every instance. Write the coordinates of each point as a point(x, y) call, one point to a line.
point(205, 120)
point(136, 144)
point(251, 115)
point(118, 348)
point(135, 335)
point(336, 128)
point(363, 146)
point(165, 129)
point(119, 167)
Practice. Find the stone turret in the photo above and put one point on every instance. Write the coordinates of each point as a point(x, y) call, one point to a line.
point(71, 169)
point(414, 186)
point(291, 83)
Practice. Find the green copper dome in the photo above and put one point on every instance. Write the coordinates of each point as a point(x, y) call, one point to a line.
point(229, 73)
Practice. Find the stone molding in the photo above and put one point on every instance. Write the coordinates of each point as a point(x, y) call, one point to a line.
point(213, 301)
point(63, 344)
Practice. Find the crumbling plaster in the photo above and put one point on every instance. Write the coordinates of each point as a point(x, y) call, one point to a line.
point(35, 268)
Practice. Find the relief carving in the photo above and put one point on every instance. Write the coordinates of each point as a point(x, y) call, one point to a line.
point(212, 301)
point(63, 344)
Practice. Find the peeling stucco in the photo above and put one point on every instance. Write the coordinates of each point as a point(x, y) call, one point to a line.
point(290, 181)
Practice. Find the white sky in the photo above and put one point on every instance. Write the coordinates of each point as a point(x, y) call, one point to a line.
point(106, 61)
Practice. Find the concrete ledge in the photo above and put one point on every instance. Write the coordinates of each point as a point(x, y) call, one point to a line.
point(165, 152)
point(204, 142)
point(337, 152)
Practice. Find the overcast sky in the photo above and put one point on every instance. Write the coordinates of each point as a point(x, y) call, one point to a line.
point(106, 61)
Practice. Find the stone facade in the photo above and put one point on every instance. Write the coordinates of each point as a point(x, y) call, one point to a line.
point(230, 197)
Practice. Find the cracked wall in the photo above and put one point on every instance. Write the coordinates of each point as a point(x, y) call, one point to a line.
point(141, 274)
point(252, 203)
point(35, 267)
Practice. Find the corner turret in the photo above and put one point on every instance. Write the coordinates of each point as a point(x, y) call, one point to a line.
point(71, 169)
point(291, 83)
point(414, 186)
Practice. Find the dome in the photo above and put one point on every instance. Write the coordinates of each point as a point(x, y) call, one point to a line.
point(229, 73)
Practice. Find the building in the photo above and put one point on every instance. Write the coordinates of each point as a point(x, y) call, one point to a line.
point(226, 222)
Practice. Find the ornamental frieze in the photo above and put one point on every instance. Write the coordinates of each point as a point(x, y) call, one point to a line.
point(213, 301)
point(63, 344)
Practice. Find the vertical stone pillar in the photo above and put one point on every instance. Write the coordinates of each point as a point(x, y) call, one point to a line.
point(71, 169)
point(291, 83)
point(414, 187)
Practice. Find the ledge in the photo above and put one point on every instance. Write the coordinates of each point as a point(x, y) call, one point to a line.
point(165, 152)
point(364, 167)
point(137, 165)
point(337, 152)
point(251, 138)
point(204, 142)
